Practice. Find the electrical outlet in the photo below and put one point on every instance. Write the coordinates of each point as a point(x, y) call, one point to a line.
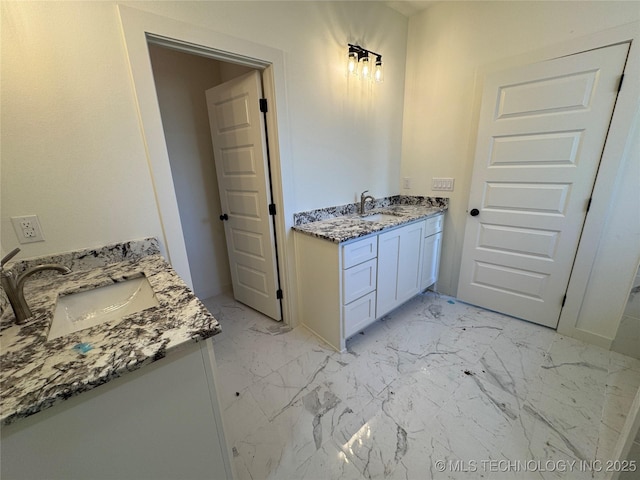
point(406, 183)
point(444, 184)
point(27, 229)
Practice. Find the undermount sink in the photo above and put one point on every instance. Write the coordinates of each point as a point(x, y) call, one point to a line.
point(77, 311)
point(378, 217)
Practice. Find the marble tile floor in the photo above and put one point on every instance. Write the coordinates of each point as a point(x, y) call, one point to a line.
point(437, 389)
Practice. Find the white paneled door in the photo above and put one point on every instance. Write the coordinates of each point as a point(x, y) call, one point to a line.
point(240, 151)
point(540, 138)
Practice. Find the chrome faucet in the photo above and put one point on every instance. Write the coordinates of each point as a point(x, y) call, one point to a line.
point(13, 285)
point(363, 199)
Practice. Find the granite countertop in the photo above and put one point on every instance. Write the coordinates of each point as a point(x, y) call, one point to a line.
point(36, 373)
point(348, 227)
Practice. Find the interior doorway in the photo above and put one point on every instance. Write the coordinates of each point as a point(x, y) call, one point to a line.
point(237, 111)
point(181, 79)
point(141, 28)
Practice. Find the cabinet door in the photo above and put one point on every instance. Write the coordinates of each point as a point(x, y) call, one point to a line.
point(431, 260)
point(409, 264)
point(388, 252)
point(399, 266)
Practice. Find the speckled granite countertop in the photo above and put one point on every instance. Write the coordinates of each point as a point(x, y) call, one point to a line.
point(347, 227)
point(36, 374)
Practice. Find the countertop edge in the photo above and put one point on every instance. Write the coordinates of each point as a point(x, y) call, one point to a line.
point(93, 384)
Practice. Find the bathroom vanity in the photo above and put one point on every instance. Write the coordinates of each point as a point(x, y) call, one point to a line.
point(129, 398)
point(354, 269)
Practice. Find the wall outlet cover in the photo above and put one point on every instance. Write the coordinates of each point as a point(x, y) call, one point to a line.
point(27, 229)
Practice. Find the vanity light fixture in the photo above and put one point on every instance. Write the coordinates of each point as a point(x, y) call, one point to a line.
point(359, 63)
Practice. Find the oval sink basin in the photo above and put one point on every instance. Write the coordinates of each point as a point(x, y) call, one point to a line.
point(379, 217)
point(89, 308)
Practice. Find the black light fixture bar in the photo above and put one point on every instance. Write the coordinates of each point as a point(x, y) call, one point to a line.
point(363, 52)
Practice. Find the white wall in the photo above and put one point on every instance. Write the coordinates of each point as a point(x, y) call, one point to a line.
point(181, 80)
point(72, 150)
point(447, 44)
point(345, 138)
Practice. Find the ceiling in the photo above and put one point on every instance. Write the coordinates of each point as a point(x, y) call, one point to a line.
point(409, 7)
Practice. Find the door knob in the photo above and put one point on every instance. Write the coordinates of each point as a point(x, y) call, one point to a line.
point(224, 217)
point(474, 212)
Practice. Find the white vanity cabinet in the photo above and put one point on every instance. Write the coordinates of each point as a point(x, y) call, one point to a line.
point(345, 287)
point(162, 421)
point(337, 286)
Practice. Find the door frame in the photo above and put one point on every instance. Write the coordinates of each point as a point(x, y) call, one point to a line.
point(140, 27)
point(614, 157)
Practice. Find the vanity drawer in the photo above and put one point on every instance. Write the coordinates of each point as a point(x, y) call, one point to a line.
point(360, 251)
point(434, 225)
point(357, 315)
point(359, 280)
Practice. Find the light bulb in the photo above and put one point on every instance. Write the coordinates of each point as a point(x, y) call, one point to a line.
point(366, 67)
point(378, 74)
point(352, 63)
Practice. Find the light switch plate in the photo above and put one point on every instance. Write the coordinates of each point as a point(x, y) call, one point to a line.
point(444, 184)
point(27, 229)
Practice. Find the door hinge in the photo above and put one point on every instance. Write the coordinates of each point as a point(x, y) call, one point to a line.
point(620, 84)
point(263, 105)
point(279, 294)
point(564, 299)
point(589, 204)
point(272, 209)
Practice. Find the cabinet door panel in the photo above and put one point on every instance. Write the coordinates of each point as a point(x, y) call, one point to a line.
point(388, 251)
point(409, 265)
point(431, 260)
